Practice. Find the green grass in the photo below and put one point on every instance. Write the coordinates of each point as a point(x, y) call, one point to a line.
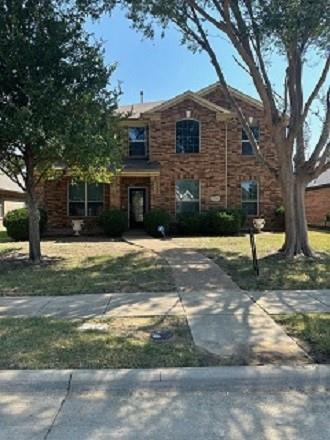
point(312, 330)
point(82, 266)
point(36, 343)
point(233, 254)
point(4, 237)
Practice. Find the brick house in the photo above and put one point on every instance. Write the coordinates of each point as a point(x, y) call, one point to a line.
point(11, 197)
point(317, 200)
point(186, 154)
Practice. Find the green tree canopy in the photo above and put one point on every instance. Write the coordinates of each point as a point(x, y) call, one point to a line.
point(56, 104)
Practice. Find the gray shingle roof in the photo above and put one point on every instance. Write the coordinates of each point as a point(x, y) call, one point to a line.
point(8, 185)
point(322, 180)
point(140, 165)
point(134, 110)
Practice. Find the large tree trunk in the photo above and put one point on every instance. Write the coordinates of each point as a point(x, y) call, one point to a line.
point(33, 210)
point(34, 227)
point(296, 231)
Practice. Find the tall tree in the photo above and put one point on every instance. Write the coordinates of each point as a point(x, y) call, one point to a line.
point(55, 104)
point(293, 28)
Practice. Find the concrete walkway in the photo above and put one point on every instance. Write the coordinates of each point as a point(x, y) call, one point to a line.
point(222, 318)
point(89, 306)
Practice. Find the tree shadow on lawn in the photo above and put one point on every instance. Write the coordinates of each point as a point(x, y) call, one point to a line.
point(48, 343)
point(275, 271)
point(130, 272)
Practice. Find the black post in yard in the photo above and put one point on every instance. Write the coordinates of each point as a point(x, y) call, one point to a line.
point(254, 252)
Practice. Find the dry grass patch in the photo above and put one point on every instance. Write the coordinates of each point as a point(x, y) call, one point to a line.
point(37, 343)
point(233, 254)
point(73, 266)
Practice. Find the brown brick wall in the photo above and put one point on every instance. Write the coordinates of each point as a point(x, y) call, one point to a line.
point(317, 205)
point(53, 196)
point(208, 166)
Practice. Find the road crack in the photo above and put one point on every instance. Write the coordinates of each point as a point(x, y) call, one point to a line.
point(68, 389)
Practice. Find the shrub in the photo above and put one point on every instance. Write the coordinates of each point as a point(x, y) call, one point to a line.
point(221, 222)
point(114, 222)
point(190, 223)
point(154, 218)
point(17, 223)
point(240, 213)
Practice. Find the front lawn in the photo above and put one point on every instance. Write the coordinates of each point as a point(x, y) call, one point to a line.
point(37, 343)
point(72, 266)
point(312, 331)
point(233, 254)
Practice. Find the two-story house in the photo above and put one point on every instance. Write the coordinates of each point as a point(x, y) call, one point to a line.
point(186, 154)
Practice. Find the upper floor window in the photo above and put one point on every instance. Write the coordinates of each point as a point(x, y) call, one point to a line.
point(137, 141)
point(247, 149)
point(250, 197)
point(187, 196)
point(85, 199)
point(187, 136)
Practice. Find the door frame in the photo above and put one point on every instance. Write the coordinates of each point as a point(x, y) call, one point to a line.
point(146, 188)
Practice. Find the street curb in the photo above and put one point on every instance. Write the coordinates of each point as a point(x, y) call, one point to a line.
point(249, 378)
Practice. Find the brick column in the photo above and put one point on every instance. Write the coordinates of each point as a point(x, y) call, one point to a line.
point(115, 193)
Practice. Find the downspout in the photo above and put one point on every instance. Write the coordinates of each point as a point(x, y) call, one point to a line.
point(226, 165)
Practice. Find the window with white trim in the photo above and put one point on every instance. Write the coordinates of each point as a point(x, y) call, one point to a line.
point(250, 197)
point(137, 141)
point(2, 208)
point(85, 199)
point(187, 136)
point(247, 149)
point(187, 196)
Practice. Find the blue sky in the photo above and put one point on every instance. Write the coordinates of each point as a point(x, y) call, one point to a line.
point(163, 68)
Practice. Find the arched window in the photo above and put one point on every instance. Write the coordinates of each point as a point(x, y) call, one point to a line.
point(187, 136)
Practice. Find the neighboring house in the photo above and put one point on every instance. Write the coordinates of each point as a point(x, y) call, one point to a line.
point(317, 200)
point(187, 154)
point(11, 197)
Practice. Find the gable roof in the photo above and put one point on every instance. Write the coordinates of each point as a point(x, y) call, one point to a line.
point(322, 180)
point(134, 110)
point(235, 92)
point(8, 185)
point(188, 95)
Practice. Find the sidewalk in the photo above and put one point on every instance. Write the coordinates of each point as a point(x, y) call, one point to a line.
point(222, 318)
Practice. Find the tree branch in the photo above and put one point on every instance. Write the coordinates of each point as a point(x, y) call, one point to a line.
point(206, 45)
point(316, 89)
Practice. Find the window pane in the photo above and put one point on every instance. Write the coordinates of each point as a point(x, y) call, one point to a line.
point(187, 207)
point(77, 192)
point(137, 149)
point(94, 209)
point(1, 208)
point(255, 131)
point(187, 190)
point(247, 149)
point(95, 192)
point(249, 191)
point(187, 136)
point(137, 134)
point(251, 208)
point(77, 209)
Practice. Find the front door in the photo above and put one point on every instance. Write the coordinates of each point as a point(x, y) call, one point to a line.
point(137, 207)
